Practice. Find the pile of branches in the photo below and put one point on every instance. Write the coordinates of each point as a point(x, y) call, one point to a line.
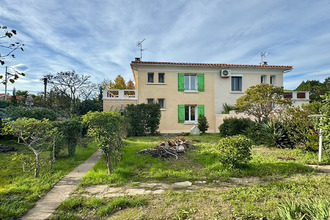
point(169, 148)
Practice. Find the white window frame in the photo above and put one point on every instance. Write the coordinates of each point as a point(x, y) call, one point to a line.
point(189, 112)
point(263, 79)
point(190, 75)
point(231, 83)
point(272, 80)
point(162, 107)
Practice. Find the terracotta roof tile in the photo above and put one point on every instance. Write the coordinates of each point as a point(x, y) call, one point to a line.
point(209, 64)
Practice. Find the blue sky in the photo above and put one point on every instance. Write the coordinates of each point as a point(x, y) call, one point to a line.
point(99, 37)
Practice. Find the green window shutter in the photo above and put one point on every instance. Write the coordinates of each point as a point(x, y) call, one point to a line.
point(181, 113)
point(200, 109)
point(200, 78)
point(181, 82)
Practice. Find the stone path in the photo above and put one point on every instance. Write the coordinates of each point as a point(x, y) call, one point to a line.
point(61, 191)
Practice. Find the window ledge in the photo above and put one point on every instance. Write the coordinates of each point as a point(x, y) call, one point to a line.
point(190, 123)
point(163, 109)
point(149, 83)
point(237, 92)
point(191, 91)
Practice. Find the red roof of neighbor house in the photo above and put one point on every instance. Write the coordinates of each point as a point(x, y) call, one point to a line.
point(211, 64)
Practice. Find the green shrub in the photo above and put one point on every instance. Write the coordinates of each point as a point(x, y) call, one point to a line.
point(143, 118)
point(227, 108)
point(234, 151)
point(15, 112)
point(234, 126)
point(203, 125)
point(70, 131)
point(4, 104)
point(301, 128)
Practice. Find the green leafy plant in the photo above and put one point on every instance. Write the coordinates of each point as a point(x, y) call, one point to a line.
point(234, 126)
point(234, 151)
point(143, 118)
point(108, 130)
point(15, 112)
point(203, 125)
point(227, 108)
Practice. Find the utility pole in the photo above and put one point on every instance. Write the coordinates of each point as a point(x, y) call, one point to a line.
point(6, 84)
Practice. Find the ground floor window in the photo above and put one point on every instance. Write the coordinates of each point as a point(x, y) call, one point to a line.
point(190, 113)
point(150, 101)
point(161, 102)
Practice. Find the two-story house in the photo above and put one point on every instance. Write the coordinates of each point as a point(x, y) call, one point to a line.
point(186, 90)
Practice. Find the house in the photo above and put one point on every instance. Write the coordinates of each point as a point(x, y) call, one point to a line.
point(186, 90)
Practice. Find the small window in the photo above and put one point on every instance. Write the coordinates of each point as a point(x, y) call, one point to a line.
point(190, 113)
point(272, 80)
point(150, 101)
point(150, 77)
point(161, 77)
point(161, 102)
point(236, 83)
point(190, 82)
point(263, 79)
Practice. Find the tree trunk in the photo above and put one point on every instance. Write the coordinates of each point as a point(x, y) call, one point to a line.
point(37, 168)
point(109, 162)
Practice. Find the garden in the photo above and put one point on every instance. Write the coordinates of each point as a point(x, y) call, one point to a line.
point(251, 170)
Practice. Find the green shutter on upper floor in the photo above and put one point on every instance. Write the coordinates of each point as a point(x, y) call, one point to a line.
point(200, 78)
point(200, 110)
point(181, 82)
point(180, 113)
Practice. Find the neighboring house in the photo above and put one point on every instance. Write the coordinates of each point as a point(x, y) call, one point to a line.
point(186, 90)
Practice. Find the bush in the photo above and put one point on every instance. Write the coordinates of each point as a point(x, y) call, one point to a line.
point(4, 104)
point(39, 113)
point(234, 126)
point(70, 131)
point(203, 125)
point(301, 128)
point(143, 118)
point(234, 151)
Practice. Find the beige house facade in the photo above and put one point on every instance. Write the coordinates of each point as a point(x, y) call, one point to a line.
point(186, 90)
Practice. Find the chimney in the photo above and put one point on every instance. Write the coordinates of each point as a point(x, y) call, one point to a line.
point(137, 59)
point(263, 63)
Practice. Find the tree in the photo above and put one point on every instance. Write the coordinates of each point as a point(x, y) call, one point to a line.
point(262, 100)
point(130, 85)
point(9, 47)
point(325, 120)
point(315, 87)
point(71, 85)
point(33, 133)
point(203, 125)
point(13, 99)
point(120, 82)
point(108, 130)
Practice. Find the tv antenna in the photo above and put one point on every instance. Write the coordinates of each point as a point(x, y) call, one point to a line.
point(139, 44)
point(263, 55)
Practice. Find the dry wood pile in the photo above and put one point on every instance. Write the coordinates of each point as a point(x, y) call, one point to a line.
point(169, 148)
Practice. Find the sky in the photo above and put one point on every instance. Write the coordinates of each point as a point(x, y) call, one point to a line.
point(99, 37)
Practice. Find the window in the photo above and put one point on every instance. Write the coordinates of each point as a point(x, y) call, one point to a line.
point(236, 83)
point(263, 78)
point(190, 113)
point(272, 80)
point(190, 82)
point(161, 77)
point(161, 102)
point(150, 101)
point(150, 77)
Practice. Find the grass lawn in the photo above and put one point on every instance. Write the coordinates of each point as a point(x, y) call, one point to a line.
point(19, 191)
point(284, 185)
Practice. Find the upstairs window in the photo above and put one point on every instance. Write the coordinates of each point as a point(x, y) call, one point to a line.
point(263, 78)
point(161, 77)
point(190, 82)
point(150, 77)
point(236, 83)
point(272, 80)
